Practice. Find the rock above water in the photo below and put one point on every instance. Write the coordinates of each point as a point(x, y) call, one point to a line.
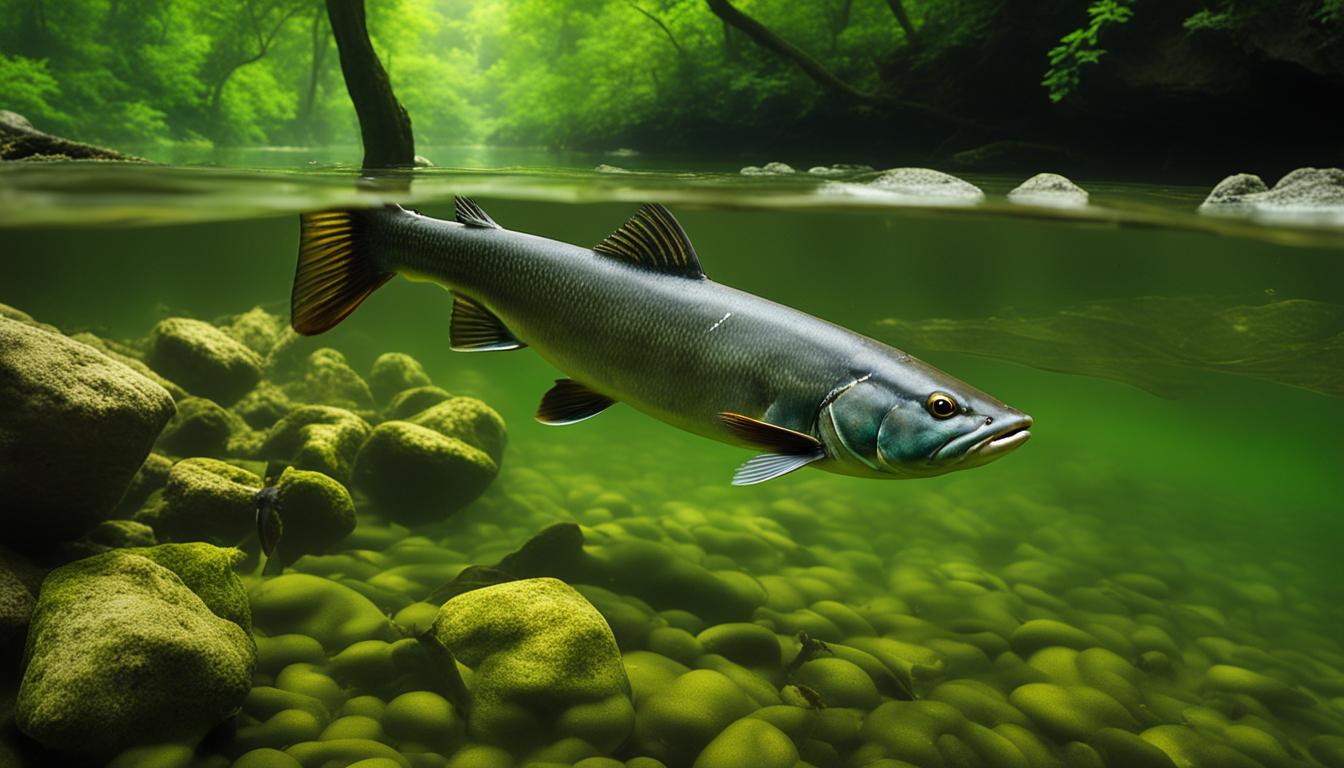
point(416, 474)
point(911, 186)
point(546, 664)
point(1305, 189)
point(769, 169)
point(1049, 189)
point(122, 652)
point(75, 427)
point(203, 359)
point(19, 140)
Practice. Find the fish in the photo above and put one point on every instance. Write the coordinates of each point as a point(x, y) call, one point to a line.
point(635, 320)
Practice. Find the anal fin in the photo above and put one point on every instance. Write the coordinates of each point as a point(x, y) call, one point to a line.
point(476, 329)
point(570, 402)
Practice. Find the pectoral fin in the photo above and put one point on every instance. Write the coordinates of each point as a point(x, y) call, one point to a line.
point(768, 466)
point(788, 449)
point(475, 329)
point(569, 402)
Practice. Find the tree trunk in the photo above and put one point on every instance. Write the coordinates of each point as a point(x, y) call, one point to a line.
point(384, 125)
point(903, 19)
point(309, 101)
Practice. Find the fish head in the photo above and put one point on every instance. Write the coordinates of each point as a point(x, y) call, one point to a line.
point(919, 423)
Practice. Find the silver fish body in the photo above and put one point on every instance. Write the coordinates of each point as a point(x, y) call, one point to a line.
point(687, 350)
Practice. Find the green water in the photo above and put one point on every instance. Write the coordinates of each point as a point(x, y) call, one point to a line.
point(1210, 519)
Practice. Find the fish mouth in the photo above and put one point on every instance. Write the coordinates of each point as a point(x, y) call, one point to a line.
point(978, 447)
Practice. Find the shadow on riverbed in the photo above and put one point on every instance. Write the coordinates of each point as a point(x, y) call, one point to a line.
point(1153, 342)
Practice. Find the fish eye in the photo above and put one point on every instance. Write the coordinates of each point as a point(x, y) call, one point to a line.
point(941, 405)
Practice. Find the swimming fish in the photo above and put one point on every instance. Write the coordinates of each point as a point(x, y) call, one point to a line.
point(635, 320)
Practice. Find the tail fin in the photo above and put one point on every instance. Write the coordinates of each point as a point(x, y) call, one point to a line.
point(336, 270)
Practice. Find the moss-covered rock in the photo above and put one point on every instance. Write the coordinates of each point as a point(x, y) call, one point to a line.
point(329, 380)
point(201, 428)
point(677, 722)
point(394, 372)
point(317, 437)
point(150, 477)
point(75, 427)
point(207, 500)
point(469, 420)
point(208, 571)
point(16, 607)
point(256, 329)
point(749, 741)
point(331, 613)
point(545, 665)
point(121, 533)
point(409, 402)
point(416, 474)
point(203, 359)
point(120, 622)
point(263, 406)
point(317, 512)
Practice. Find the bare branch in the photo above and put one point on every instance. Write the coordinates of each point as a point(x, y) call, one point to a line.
point(671, 37)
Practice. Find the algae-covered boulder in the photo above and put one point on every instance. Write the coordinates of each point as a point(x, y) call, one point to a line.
point(469, 420)
point(121, 533)
point(201, 428)
point(150, 477)
point(395, 372)
point(328, 379)
point(327, 611)
point(545, 665)
point(207, 500)
point(416, 474)
point(74, 428)
point(122, 652)
point(203, 359)
point(263, 406)
point(316, 512)
point(409, 402)
point(749, 742)
point(208, 571)
point(256, 329)
point(16, 606)
point(319, 438)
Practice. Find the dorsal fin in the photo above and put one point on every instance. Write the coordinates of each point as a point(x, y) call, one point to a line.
point(476, 329)
point(472, 215)
point(653, 239)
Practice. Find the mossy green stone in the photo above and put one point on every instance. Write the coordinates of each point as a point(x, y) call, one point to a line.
point(1041, 633)
point(208, 571)
point(675, 643)
point(276, 653)
point(288, 726)
point(317, 512)
point(469, 420)
point(203, 359)
point(315, 754)
point(117, 622)
point(675, 724)
point(481, 756)
point(265, 757)
point(208, 499)
point(334, 615)
point(354, 727)
point(423, 718)
point(749, 742)
point(416, 474)
point(538, 649)
point(751, 645)
point(309, 680)
point(840, 683)
point(1230, 679)
point(1073, 712)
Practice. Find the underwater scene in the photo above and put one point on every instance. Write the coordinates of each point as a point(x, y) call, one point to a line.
point(618, 497)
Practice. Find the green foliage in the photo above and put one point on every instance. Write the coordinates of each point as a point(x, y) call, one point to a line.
point(1082, 46)
point(28, 89)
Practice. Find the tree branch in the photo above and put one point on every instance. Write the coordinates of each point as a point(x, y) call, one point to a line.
point(671, 37)
point(902, 18)
point(819, 74)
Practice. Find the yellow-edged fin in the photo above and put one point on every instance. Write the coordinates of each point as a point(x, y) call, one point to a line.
point(652, 238)
point(570, 402)
point(335, 272)
point(476, 329)
point(767, 436)
point(468, 213)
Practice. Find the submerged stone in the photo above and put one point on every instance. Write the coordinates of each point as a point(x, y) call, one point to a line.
point(203, 359)
point(207, 500)
point(469, 420)
point(545, 664)
point(331, 613)
point(316, 511)
point(395, 372)
point(118, 623)
point(409, 402)
point(201, 428)
point(329, 380)
point(319, 438)
point(75, 427)
point(416, 474)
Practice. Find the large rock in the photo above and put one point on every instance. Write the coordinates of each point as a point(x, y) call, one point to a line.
point(19, 140)
point(416, 474)
point(207, 500)
point(122, 652)
point(469, 420)
point(75, 427)
point(328, 379)
point(316, 511)
point(319, 438)
point(545, 663)
point(201, 428)
point(203, 359)
point(394, 372)
point(16, 607)
point(1302, 190)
